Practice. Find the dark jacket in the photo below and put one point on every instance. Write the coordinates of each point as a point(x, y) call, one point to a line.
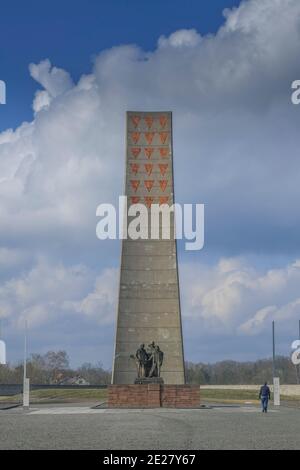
point(264, 392)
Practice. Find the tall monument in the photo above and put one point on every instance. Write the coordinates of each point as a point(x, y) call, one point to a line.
point(149, 299)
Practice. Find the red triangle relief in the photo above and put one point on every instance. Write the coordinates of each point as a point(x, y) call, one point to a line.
point(163, 121)
point(135, 199)
point(135, 120)
point(135, 136)
point(164, 152)
point(148, 168)
point(136, 151)
point(134, 167)
point(163, 200)
point(149, 121)
point(135, 184)
point(163, 184)
point(149, 137)
point(148, 151)
point(163, 137)
point(149, 200)
point(163, 168)
point(149, 184)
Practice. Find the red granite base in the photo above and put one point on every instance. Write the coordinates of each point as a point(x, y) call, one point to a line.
point(153, 396)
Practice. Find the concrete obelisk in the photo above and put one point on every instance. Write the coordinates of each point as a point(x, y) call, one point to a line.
point(149, 299)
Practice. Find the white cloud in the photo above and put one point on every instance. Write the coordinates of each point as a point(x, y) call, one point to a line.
point(100, 302)
point(181, 38)
point(236, 141)
point(54, 80)
point(11, 258)
point(230, 93)
point(42, 100)
point(48, 291)
point(240, 300)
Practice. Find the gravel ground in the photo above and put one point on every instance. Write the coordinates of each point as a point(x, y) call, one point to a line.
point(80, 427)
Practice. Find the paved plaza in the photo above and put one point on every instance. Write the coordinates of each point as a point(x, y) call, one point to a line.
point(82, 427)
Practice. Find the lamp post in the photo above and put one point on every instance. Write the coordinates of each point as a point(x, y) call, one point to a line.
point(25, 380)
point(297, 366)
point(273, 347)
point(2, 348)
point(276, 382)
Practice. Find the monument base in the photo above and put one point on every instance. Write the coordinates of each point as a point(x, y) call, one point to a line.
point(149, 380)
point(153, 395)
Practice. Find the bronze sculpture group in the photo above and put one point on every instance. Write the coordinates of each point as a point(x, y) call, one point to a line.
point(148, 362)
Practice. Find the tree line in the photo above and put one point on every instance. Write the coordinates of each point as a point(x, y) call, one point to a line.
point(242, 373)
point(54, 367)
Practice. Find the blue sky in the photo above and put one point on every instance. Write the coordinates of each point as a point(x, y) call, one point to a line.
point(71, 33)
point(72, 70)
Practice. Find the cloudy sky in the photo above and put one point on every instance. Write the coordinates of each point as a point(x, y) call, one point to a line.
point(226, 74)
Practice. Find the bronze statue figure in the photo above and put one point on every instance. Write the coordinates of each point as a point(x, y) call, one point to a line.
point(148, 362)
point(141, 359)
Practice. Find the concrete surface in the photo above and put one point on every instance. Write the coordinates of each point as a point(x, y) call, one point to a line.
point(149, 306)
point(80, 427)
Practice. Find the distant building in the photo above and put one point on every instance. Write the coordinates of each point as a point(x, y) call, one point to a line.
point(77, 380)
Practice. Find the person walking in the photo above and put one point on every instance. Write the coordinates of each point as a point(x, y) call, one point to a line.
point(264, 396)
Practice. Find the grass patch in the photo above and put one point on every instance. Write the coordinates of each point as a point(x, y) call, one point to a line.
point(63, 395)
point(239, 396)
point(98, 395)
point(228, 394)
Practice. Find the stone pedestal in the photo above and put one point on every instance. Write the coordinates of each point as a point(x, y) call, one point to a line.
point(153, 395)
point(149, 380)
